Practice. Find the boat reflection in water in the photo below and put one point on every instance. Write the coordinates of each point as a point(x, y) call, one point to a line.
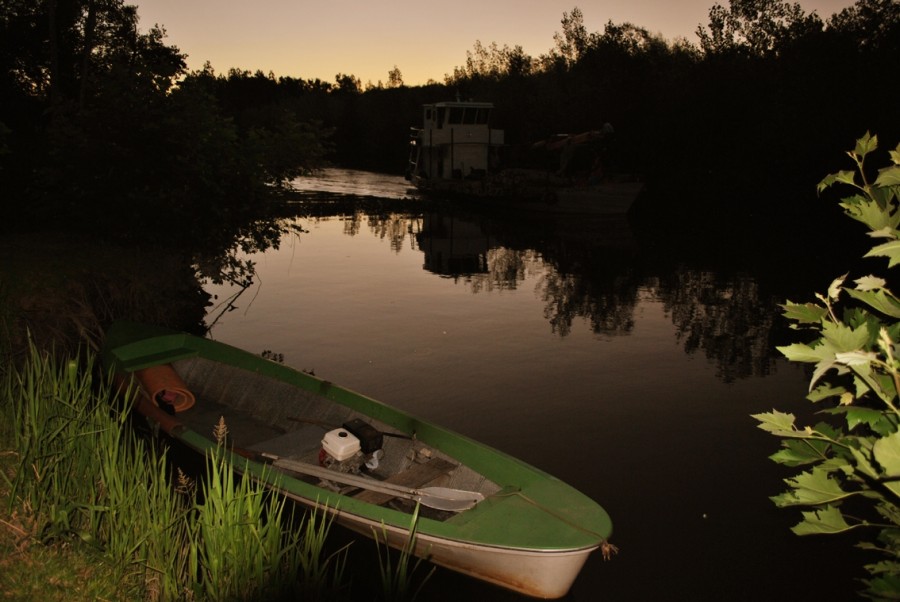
point(587, 264)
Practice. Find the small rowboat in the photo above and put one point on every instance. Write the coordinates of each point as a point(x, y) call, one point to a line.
point(481, 512)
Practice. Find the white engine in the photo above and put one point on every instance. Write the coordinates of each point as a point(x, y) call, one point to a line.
point(344, 452)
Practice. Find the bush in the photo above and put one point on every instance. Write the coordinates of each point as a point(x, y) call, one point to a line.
point(851, 460)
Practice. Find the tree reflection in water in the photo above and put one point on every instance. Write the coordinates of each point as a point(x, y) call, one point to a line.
point(583, 269)
point(594, 271)
point(724, 317)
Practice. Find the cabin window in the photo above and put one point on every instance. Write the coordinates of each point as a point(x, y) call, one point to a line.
point(456, 115)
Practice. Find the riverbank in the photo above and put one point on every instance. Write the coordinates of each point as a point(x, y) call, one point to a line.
point(89, 510)
point(62, 291)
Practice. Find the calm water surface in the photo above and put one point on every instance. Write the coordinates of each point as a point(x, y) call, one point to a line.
point(624, 371)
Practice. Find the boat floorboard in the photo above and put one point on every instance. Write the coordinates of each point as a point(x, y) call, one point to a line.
point(243, 429)
point(296, 444)
point(417, 475)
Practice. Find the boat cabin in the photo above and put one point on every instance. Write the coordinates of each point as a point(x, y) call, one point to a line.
point(455, 142)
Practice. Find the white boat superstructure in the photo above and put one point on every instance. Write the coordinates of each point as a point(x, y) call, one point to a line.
point(455, 142)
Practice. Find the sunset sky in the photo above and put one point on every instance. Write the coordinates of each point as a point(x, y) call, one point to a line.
point(425, 39)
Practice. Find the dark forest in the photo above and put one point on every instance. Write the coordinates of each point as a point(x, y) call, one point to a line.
point(103, 128)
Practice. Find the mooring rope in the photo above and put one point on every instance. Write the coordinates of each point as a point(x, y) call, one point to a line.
point(607, 550)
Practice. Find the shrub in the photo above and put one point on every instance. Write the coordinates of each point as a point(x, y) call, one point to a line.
point(851, 460)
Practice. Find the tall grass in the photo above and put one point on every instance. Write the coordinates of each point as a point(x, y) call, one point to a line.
point(84, 476)
point(238, 547)
point(321, 576)
point(398, 574)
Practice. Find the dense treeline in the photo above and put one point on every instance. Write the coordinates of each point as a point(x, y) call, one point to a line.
point(102, 126)
point(102, 132)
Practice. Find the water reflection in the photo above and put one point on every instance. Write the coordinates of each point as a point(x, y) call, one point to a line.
point(581, 272)
point(727, 319)
point(589, 271)
point(456, 247)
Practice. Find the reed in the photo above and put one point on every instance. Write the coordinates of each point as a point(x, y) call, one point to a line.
point(397, 576)
point(84, 477)
point(84, 474)
point(233, 549)
point(322, 577)
point(242, 545)
point(141, 520)
point(51, 403)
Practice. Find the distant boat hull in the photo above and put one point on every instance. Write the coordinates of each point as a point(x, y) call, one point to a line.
point(530, 532)
point(535, 194)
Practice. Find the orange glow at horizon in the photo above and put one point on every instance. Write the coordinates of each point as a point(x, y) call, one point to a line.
point(425, 39)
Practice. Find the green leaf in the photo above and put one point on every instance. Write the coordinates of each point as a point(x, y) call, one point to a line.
point(776, 422)
point(796, 452)
point(884, 587)
point(821, 368)
point(806, 313)
point(887, 453)
point(826, 430)
point(868, 380)
point(811, 488)
point(863, 464)
point(841, 177)
point(895, 155)
point(893, 487)
point(891, 250)
point(885, 232)
point(857, 415)
point(879, 300)
point(870, 283)
point(843, 338)
point(890, 512)
point(885, 196)
point(884, 566)
point(866, 145)
point(798, 352)
point(838, 464)
point(856, 358)
point(824, 520)
point(825, 391)
point(889, 176)
point(835, 289)
point(870, 212)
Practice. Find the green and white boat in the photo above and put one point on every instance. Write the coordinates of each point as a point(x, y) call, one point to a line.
point(481, 512)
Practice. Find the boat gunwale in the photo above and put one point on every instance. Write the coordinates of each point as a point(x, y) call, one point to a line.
point(465, 450)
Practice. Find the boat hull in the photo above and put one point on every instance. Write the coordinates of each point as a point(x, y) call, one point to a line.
point(603, 198)
point(538, 574)
point(531, 533)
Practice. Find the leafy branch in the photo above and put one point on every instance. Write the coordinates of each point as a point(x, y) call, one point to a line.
point(855, 453)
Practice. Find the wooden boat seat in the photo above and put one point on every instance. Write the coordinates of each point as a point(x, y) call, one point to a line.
point(417, 475)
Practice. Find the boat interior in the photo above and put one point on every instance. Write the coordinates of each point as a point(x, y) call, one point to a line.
point(270, 419)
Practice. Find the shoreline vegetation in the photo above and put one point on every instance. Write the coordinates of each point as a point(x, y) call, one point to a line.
point(107, 514)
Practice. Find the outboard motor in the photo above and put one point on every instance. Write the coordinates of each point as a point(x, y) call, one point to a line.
point(349, 448)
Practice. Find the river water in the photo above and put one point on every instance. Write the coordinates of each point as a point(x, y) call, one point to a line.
point(577, 345)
